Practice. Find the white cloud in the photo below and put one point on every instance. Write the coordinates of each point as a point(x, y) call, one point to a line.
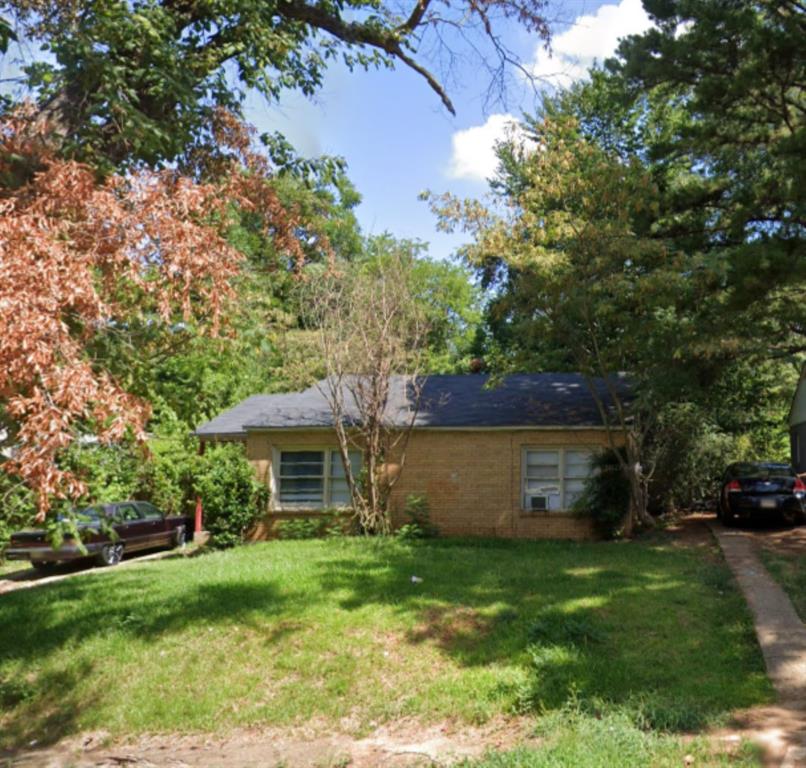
point(591, 38)
point(473, 149)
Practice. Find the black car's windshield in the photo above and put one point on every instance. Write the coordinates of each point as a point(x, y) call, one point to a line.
point(762, 470)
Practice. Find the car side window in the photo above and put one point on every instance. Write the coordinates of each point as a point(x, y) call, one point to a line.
point(149, 511)
point(127, 513)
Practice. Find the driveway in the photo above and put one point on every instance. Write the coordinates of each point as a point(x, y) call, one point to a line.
point(781, 634)
point(786, 540)
point(25, 578)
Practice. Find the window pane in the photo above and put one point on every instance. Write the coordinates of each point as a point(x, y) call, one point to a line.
point(339, 492)
point(543, 472)
point(90, 513)
point(577, 464)
point(149, 511)
point(546, 458)
point(302, 490)
point(337, 465)
point(541, 481)
point(127, 512)
point(302, 463)
point(573, 490)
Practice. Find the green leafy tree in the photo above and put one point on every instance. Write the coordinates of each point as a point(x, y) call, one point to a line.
point(732, 159)
point(134, 81)
point(449, 298)
point(581, 282)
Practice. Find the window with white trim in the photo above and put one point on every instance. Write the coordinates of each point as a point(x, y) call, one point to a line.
point(314, 478)
point(553, 478)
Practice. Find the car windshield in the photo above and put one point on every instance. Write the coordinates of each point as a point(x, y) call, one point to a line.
point(86, 515)
point(762, 471)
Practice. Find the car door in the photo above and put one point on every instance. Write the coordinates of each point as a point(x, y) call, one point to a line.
point(132, 528)
point(157, 528)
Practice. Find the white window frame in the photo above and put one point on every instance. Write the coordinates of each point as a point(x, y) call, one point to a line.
point(274, 488)
point(560, 482)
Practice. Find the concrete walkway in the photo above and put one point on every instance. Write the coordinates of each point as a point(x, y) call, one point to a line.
point(781, 633)
point(29, 577)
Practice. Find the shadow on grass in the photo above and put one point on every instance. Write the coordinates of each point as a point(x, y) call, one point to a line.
point(44, 707)
point(130, 605)
point(661, 631)
point(601, 621)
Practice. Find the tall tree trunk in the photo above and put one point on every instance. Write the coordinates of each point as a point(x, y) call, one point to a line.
point(637, 513)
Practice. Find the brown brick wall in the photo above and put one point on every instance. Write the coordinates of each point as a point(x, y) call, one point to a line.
point(471, 479)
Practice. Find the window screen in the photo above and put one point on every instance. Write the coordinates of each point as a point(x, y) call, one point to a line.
point(542, 480)
point(302, 477)
point(553, 479)
point(577, 470)
point(315, 478)
point(339, 490)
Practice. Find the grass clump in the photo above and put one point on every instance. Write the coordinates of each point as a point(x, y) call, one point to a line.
point(789, 570)
point(574, 737)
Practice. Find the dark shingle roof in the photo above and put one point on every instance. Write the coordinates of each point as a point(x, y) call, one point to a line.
point(522, 400)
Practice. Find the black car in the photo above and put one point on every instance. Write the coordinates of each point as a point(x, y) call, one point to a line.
point(761, 490)
point(106, 531)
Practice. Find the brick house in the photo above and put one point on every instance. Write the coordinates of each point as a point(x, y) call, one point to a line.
point(506, 460)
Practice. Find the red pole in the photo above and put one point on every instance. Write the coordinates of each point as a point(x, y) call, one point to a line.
point(197, 527)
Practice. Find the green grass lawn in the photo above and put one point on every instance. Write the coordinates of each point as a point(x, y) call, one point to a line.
point(789, 570)
point(574, 739)
point(336, 632)
point(10, 566)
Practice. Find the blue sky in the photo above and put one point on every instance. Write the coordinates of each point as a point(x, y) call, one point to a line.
point(399, 140)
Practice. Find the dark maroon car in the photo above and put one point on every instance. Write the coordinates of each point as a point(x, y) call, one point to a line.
point(107, 531)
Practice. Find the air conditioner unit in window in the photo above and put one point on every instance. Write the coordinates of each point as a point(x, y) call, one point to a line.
point(539, 503)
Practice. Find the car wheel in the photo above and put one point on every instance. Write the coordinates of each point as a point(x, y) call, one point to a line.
point(790, 516)
point(110, 554)
point(728, 518)
point(180, 536)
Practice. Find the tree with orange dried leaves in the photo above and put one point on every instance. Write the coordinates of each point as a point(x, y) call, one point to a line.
point(81, 254)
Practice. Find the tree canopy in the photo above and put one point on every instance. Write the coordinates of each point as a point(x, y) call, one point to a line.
point(135, 81)
point(650, 220)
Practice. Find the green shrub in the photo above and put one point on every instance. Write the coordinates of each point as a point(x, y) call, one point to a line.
point(167, 479)
point(606, 495)
point(420, 525)
point(302, 528)
point(331, 523)
point(233, 498)
point(110, 472)
point(17, 507)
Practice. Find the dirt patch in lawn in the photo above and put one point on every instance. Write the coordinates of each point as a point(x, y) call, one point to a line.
point(450, 626)
point(690, 531)
point(780, 730)
point(404, 743)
